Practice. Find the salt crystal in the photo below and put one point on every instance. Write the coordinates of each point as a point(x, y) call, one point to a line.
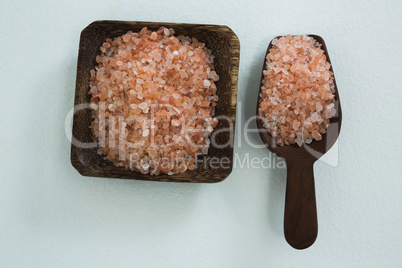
point(145, 166)
point(296, 124)
point(214, 76)
point(314, 117)
point(126, 38)
point(175, 123)
point(145, 133)
point(153, 36)
point(326, 76)
point(318, 106)
point(273, 101)
point(316, 135)
point(143, 105)
point(166, 31)
point(207, 83)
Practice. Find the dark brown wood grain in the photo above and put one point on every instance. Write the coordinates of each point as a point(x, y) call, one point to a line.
point(225, 47)
point(300, 221)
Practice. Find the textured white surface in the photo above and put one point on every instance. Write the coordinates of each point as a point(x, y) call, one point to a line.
point(50, 216)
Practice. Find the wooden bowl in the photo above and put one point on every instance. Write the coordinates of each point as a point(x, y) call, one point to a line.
point(300, 221)
point(225, 47)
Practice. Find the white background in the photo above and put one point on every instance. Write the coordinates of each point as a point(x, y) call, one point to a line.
point(50, 216)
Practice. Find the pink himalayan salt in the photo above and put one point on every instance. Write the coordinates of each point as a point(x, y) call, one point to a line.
point(316, 135)
point(143, 105)
point(153, 36)
point(152, 110)
point(297, 99)
point(145, 133)
point(207, 83)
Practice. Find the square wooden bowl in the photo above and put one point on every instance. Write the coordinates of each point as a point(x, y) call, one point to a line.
point(225, 47)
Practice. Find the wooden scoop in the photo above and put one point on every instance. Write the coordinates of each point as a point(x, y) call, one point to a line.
point(300, 221)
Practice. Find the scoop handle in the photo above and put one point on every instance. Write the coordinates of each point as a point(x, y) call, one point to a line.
point(300, 221)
